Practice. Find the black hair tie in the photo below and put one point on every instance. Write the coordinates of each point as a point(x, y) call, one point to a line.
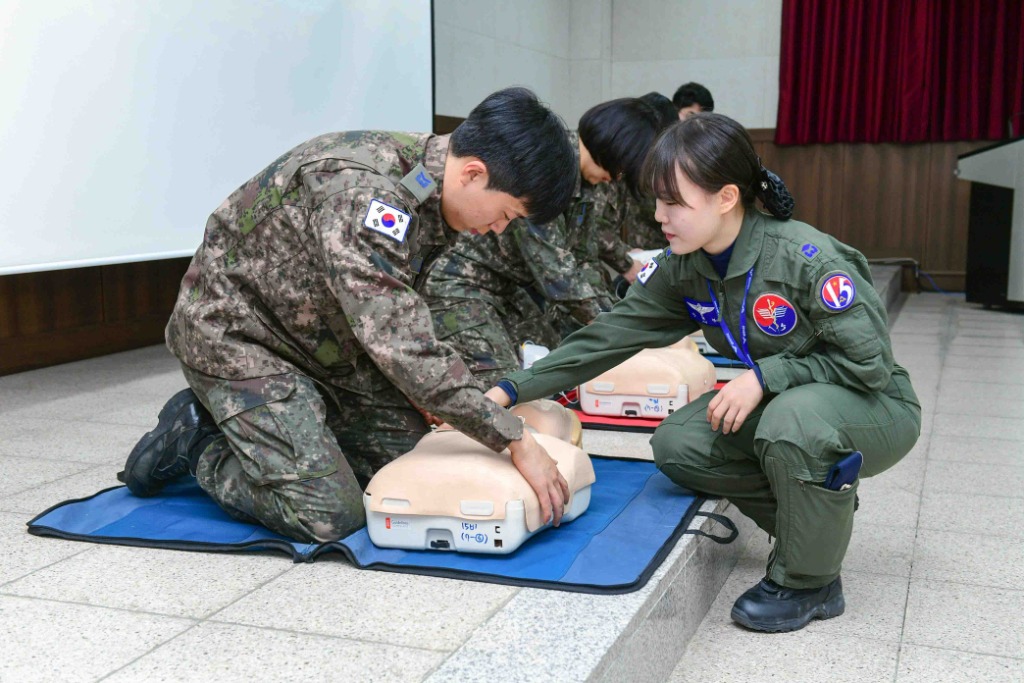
point(775, 195)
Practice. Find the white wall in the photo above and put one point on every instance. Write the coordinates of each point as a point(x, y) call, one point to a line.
point(483, 45)
point(125, 123)
point(732, 47)
point(617, 48)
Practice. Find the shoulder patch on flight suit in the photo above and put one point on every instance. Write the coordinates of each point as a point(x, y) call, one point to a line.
point(646, 272)
point(387, 220)
point(774, 314)
point(809, 251)
point(419, 182)
point(836, 291)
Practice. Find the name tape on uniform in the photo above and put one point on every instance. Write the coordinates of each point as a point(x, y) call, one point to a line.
point(387, 220)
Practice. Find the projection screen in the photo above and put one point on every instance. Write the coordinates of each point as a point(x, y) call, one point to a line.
point(124, 123)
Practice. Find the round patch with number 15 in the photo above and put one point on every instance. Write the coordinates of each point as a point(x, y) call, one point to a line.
point(837, 291)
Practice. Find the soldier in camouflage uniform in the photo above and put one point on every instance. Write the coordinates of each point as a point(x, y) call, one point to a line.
point(604, 254)
point(639, 228)
point(475, 290)
point(625, 217)
point(300, 330)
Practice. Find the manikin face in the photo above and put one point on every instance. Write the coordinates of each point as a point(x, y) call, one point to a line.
point(591, 172)
point(694, 223)
point(687, 112)
point(467, 205)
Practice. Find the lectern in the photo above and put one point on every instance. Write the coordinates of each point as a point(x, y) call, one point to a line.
point(995, 235)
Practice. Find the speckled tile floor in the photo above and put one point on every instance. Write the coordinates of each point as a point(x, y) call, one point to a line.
point(934, 577)
point(82, 612)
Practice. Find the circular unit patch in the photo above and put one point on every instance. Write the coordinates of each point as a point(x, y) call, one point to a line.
point(774, 314)
point(838, 292)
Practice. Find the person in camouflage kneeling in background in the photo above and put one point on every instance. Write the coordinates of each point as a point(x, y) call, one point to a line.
point(312, 359)
point(489, 295)
point(618, 224)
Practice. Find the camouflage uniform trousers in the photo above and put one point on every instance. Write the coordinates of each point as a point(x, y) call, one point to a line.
point(295, 455)
point(488, 336)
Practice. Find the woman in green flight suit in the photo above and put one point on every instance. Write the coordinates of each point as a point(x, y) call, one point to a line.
point(796, 306)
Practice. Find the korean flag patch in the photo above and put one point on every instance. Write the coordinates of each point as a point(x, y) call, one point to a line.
point(836, 291)
point(387, 220)
point(645, 274)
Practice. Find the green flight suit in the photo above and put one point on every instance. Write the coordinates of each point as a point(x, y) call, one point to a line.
point(818, 333)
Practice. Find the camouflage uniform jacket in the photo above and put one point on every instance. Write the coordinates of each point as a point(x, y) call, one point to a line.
point(492, 267)
point(639, 228)
point(312, 267)
point(608, 217)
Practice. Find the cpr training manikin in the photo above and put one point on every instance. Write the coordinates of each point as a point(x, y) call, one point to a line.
point(652, 384)
point(452, 493)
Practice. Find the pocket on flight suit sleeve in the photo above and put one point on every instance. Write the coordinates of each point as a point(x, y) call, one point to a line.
point(858, 336)
point(821, 524)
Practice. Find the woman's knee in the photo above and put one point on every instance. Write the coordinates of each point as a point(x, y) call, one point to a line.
point(798, 416)
point(678, 447)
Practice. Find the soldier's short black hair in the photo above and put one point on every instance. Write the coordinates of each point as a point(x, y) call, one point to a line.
point(667, 112)
point(618, 134)
point(693, 93)
point(526, 148)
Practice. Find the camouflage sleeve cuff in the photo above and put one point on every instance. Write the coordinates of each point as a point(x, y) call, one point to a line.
point(586, 311)
point(624, 260)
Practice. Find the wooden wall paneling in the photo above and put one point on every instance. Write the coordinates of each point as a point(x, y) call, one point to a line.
point(139, 290)
point(446, 124)
point(8, 315)
point(63, 346)
point(61, 316)
point(949, 198)
point(34, 303)
point(813, 174)
point(886, 207)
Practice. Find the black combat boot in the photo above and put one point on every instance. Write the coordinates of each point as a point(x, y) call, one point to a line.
point(183, 431)
point(774, 608)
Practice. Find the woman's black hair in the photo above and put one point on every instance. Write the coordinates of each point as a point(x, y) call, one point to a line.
point(618, 134)
point(713, 151)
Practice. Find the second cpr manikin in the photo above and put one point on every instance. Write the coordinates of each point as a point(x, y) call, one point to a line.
point(652, 384)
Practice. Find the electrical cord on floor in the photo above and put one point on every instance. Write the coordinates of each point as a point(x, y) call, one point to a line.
point(918, 273)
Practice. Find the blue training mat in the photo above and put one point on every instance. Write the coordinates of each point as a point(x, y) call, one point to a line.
point(635, 516)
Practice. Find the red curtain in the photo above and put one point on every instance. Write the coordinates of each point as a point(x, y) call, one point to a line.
point(900, 70)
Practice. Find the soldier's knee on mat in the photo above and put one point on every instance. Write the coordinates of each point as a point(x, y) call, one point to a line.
point(324, 525)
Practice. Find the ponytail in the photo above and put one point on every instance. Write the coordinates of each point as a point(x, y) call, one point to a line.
point(774, 194)
point(713, 151)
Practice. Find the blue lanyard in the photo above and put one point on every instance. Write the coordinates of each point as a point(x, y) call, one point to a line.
point(742, 352)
